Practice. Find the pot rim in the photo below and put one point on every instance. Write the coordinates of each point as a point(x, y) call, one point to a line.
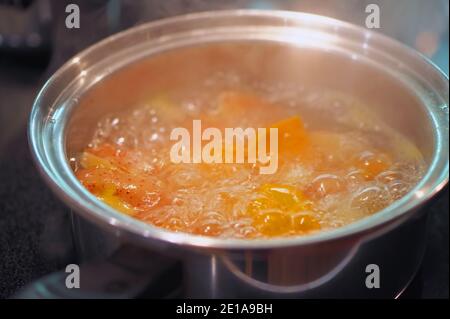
point(53, 165)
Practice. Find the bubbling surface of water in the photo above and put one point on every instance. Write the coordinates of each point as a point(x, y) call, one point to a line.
point(351, 166)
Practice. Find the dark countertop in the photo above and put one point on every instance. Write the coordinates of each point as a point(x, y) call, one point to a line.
point(35, 233)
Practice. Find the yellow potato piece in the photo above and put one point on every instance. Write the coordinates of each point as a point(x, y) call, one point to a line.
point(108, 196)
point(89, 160)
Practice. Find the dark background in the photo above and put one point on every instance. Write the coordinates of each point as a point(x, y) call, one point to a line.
point(35, 233)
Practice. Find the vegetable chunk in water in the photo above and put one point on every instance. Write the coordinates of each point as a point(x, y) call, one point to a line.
point(327, 176)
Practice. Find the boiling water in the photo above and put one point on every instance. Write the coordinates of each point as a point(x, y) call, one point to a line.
point(351, 165)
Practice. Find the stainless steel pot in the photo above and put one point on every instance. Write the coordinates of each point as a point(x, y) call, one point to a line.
point(405, 88)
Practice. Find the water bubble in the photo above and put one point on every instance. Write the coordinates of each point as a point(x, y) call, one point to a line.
point(208, 228)
point(398, 189)
point(73, 163)
point(120, 140)
point(389, 176)
point(355, 176)
point(370, 199)
point(115, 121)
point(154, 137)
point(178, 201)
point(325, 184)
point(175, 223)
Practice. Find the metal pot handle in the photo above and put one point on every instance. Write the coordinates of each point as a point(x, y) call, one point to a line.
point(129, 272)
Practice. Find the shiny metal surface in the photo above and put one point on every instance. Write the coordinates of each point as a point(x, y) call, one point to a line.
point(315, 265)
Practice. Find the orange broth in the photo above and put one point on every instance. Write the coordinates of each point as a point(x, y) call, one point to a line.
point(327, 176)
